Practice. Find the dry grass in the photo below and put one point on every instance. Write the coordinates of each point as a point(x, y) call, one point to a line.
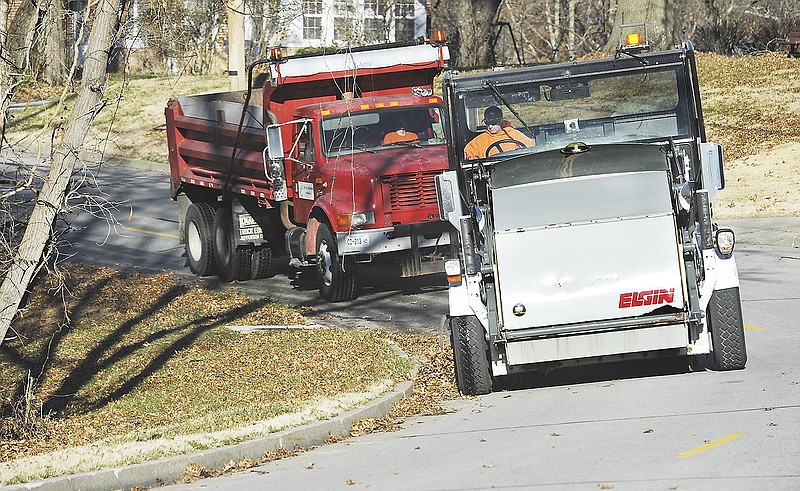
point(145, 357)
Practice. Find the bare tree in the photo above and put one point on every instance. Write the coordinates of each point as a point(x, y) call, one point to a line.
point(7, 78)
point(55, 71)
point(469, 27)
point(30, 253)
point(659, 15)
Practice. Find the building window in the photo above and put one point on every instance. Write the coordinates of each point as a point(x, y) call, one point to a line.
point(312, 19)
point(404, 20)
point(374, 30)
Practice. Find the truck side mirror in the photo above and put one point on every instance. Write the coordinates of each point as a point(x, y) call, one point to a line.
point(711, 163)
point(274, 142)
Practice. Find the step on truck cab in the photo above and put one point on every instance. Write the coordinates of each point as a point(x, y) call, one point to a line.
point(590, 237)
point(355, 139)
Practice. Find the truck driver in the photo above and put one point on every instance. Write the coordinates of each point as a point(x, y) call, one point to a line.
point(400, 135)
point(499, 136)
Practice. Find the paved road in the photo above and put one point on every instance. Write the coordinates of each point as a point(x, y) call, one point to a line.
point(143, 236)
point(633, 426)
point(630, 426)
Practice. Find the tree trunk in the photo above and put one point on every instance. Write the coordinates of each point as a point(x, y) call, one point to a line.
point(55, 71)
point(21, 32)
point(660, 18)
point(469, 29)
point(29, 255)
point(6, 71)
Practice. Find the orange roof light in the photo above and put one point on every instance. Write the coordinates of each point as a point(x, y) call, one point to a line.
point(633, 39)
point(439, 36)
point(276, 54)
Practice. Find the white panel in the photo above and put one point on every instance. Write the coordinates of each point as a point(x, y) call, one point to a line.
point(360, 60)
point(578, 273)
point(598, 344)
point(580, 199)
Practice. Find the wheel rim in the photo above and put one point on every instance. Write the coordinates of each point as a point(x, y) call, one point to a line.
point(193, 242)
point(324, 260)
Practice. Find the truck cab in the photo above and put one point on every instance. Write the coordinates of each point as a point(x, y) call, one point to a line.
point(586, 233)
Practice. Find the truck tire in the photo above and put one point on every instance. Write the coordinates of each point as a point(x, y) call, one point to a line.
point(263, 265)
point(470, 356)
point(199, 238)
point(336, 274)
point(232, 263)
point(727, 329)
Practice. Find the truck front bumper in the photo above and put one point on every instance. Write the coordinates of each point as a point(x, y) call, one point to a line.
point(393, 239)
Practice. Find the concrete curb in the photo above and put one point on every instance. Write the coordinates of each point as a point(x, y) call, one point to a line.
point(170, 469)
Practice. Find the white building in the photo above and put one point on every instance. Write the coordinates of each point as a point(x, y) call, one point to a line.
point(355, 22)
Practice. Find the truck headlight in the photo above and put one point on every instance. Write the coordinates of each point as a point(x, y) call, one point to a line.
point(725, 241)
point(356, 219)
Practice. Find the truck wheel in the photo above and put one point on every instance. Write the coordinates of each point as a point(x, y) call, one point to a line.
point(470, 356)
point(198, 233)
point(263, 265)
point(336, 274)
point(727, 329)
point(232, 263)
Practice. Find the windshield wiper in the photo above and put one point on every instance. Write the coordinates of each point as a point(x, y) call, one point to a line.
point(408, 144)
point(490, 85)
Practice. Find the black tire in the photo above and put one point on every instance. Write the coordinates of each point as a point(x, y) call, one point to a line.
point(198, 233)
point(727, 330)
point(470, 356)
point(262, 263)
point(232, 263)
point(336, 274)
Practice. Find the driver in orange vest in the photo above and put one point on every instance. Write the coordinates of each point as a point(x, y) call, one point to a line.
point(401, 135)
point(488, 142)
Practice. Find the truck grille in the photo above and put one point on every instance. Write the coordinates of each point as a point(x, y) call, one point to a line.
point(411, 190)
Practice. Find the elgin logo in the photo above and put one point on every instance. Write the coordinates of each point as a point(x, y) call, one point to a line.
point(647, 297)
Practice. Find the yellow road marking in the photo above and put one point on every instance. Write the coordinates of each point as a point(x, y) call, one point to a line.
point(752, 327)
point(709, 445)
point(160, 234)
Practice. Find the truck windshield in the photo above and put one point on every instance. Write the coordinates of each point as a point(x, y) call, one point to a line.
point(382, 130)
point(598, 109)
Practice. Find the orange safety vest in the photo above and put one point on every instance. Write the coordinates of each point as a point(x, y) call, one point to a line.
point(476, 149)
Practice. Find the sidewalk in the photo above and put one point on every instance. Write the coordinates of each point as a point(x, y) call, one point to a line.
point(782, 232)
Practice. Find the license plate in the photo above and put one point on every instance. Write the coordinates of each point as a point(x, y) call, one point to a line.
point(357, 241)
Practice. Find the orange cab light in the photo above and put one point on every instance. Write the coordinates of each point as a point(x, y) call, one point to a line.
point(364, 106)
point(276, 54)
point(343, 220)
point(633, 39)
point(439, 36)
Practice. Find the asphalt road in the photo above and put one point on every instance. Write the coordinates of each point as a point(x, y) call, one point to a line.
point(637, 426)
point(631, 426)
point(140, 233)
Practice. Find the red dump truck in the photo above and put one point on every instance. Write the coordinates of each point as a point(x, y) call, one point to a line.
point(332, 162)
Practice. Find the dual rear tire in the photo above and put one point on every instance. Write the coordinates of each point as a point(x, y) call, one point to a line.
point(211, 246)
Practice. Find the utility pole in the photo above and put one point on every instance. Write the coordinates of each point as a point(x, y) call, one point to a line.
point(236, 71)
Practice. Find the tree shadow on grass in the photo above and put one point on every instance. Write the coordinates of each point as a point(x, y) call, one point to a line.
point(43, 352)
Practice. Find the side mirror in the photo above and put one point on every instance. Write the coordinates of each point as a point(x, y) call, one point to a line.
point(274, 142)
point(711, 163)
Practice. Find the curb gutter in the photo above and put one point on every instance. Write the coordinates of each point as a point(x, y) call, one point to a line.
point(170, 469)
